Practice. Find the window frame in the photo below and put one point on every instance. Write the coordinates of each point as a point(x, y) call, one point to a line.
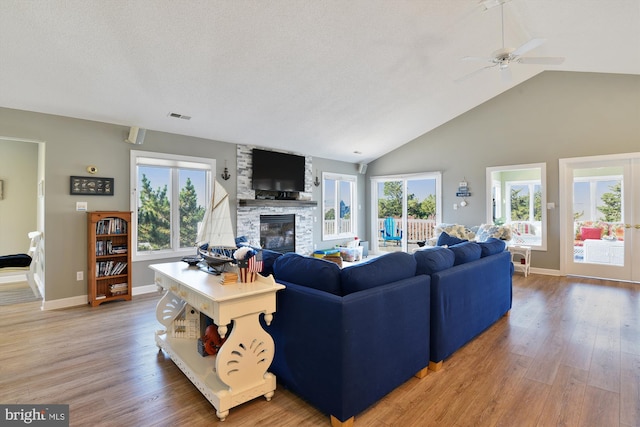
point(174, 162)
point(506, 210)
point(353, 181)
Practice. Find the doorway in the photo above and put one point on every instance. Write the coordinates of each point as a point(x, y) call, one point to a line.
point(600, 216)
point(21, 205)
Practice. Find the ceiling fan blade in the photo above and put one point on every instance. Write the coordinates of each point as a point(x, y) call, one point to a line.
point(544, 60)
point(473, 73)
point(530, 45)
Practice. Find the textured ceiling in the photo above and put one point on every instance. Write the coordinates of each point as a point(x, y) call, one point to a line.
point(323, 78)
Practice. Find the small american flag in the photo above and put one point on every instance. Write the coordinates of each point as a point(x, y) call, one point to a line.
point(255, 262)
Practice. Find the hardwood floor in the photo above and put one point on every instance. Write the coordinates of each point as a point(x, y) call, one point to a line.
point(568, 355)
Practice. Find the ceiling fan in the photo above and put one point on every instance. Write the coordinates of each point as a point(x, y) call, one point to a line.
point(504, 57)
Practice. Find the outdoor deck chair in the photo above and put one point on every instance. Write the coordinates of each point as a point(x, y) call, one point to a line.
point(391, 232)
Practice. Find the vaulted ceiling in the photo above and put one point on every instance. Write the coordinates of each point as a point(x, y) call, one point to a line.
point(345, 80)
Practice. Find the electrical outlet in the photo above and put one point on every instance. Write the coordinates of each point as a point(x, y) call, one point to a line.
point(79, 275)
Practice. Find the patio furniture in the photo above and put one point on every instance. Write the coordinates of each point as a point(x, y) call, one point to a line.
point(391, 232)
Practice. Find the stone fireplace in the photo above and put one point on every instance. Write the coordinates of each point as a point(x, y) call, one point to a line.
point(250, 211)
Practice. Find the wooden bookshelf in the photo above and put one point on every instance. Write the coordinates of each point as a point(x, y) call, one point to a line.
point(108, 256)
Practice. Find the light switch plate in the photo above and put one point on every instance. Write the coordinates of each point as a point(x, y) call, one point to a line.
point(81, 206)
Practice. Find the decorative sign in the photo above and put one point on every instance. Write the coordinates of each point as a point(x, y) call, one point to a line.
point(92, 186)
point(463, 189)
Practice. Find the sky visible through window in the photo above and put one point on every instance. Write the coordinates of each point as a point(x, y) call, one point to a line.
point(159, 177)
point(582, 197)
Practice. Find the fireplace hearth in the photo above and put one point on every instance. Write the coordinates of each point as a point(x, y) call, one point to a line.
point(278, 232)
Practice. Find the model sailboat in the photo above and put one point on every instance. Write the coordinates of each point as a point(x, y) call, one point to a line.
point(216, 241)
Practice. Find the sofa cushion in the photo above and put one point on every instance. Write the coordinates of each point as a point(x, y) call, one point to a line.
point(446, 240)
point(308, 271)
point(434, 259)
point(378, 271)
point(465, 252)
point(590, 233)
point(491, 246)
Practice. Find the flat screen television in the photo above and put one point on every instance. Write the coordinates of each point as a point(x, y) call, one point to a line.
point(273, 171)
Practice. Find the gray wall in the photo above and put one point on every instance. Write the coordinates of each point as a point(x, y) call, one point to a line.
point(72, 145)
point(551, 116)
point(19, 173)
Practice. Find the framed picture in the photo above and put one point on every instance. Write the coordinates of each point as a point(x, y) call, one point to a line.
point(90, 185)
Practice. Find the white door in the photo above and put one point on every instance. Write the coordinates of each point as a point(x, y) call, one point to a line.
point(599, 216)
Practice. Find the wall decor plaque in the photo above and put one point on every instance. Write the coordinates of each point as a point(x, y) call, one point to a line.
point(91, 185)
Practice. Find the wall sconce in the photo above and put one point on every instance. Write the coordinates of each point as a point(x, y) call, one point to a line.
point(225, 174)
point(316, 182)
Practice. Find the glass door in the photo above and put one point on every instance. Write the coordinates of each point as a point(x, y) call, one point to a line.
point(405, 211)
point(600, 218)
point(390, 212)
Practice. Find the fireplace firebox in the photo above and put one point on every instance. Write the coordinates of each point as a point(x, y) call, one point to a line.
point(278, 233)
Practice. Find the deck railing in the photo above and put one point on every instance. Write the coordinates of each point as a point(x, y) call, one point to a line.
point(418, 230)
point(330, 226)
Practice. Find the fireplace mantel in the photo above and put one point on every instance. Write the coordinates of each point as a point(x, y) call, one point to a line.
point(277, 203)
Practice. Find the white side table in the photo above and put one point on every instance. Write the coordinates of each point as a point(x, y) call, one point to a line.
point(519, 253)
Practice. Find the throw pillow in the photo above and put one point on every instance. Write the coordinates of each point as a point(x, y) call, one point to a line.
point(465, 252)
point(445, 240)
point(591, 233)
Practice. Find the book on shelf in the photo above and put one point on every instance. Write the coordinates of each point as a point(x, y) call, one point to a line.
point(111, 226)
point(109, 268)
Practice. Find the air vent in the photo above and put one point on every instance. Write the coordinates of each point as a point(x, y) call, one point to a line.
point(179, 116)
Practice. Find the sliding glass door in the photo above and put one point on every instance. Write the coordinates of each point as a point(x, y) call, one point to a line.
point(405, 210)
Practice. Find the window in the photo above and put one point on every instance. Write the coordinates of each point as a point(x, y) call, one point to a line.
point(169, 196)
point(517, 199)
point(338, 199)
point(597, 198)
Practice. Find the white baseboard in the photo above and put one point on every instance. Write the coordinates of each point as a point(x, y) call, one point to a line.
point(57, 304)
point(146, 289)
point(546, 271)
point(84, 299)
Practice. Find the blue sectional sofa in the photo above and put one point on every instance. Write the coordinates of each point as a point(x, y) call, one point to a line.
point(347, 337)
point(471, 288)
